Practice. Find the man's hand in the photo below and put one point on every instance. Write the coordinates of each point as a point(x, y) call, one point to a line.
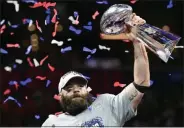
point(130, 33)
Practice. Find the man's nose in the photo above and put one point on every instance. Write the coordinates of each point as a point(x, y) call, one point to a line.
point(76, 90)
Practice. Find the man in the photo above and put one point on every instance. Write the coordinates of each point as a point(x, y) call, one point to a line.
point(80, 109)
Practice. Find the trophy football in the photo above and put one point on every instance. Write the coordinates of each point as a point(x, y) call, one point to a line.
point(160, 42)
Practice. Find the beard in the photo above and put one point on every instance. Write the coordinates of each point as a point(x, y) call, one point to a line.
point(75, 104)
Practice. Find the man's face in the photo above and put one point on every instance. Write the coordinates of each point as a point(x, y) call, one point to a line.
point(74, 97)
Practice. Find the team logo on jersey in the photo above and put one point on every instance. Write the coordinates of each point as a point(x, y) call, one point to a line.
point(94, 122)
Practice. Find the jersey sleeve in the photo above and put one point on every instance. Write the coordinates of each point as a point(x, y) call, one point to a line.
point(49, 121)
point(121, 104)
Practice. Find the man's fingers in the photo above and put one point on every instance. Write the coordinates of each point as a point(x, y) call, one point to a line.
point(121, 36)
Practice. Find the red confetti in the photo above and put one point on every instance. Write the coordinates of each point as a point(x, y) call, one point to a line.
point(13, 45)
point(95, 14)
point(54, 17)
point(54, 33)
point(41, 77)
point(38, 27)
point(30, 63)
point(58, 113)
point(7, 91)
point(57, 97)
point(41, 62)
point(116, 84)
point(44, 4)
point(77, 20)
point(133, 1)
point(11, 33)
point(16, 86)
point(51, 68)
point(2, 28)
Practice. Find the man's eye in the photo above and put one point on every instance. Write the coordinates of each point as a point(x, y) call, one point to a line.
point(69, 89)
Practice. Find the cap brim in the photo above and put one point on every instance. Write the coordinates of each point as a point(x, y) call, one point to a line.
point(78, 80)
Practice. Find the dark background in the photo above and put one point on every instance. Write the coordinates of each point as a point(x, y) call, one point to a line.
point(161, 106)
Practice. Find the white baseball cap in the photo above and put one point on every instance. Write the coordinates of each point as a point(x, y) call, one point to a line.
point(68, 76)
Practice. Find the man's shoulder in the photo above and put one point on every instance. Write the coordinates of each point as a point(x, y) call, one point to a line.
point(105, 95)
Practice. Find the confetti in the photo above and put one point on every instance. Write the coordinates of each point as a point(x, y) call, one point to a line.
point(102, 2)
point(77, 31)
point(51, 67)
point(30, 63)
point(14, 26)
point(89, 56)
point(3, 51)
point(12, 45)
point(14, 83)
point(44, 4)
point(55, 28)
point(15, 3)
point(63, 50)
point(11, 98)
point(85, 49)
point(59, 43)
point(126, 51)
point(14, 66)
point(29, 1)
point(38, 27)
point(30, 23)
point(2, 21)
point(88, 27)
point(76, 22)
point(57, 97)
point(103, 48)
point(41, 62)
point(69, 39)
point(151, 82)
point(25, 82)
point(28, 49)
point(8, 69)
point(170, 5)
point(41, 77)
point(7, 91)
point(26, 21)
point(11, 33)
point(54, 17)
point(48, 82)
point(26, 97)
point(179, 47)
point(133, 1)
point(47, 20)
point(75, 13)
point(37, 117)
point(2, 28)
point(95, 15)
point(116, 84)
point(41, 38)
point(35, 62)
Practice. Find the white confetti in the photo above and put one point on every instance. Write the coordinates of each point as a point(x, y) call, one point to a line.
point(89, 89)
point(2, 22)
point(35, 62)
point(15, 3)
point(19, 61)
point(103, 47)
point(8, 68)
point(30, 23)
point(179, 47)
point(69, 39)
point(73, 20)
point(126, 51)
point(59, 43)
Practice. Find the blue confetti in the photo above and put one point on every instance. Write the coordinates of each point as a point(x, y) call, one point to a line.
point(28, 80)
point(48, 19)
point(41, 38)
point(28, 49)
point(75, 14)
point(14, 26)
point(77, 31)
point(63, 50)
point(37, 117)
point(88, 27)
point(3, 51)
point(29, 1)
point(102, 2)
point(48, 82)
point(151, 82)
point(48, 11)
point(11, 98)
point(89, 23)
point(12, 82)
point(14, 66)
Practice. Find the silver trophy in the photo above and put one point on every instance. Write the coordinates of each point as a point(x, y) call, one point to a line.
point(162, 43)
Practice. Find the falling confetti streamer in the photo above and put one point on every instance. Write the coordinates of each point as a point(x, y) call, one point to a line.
point(8, 68)
point(11, 98)
point(41, 77)
point(77, 31)
point(3, 51)
point(54, 17)
point(29, 61)
point(103, 48)
point(51, 67)
point(44, 4)
point(2, 21)
point(170, 5)
point(15, 3)
point(41, 62)
point(38, 27)
point(48, 83)
point(117, 84)
point(7, 91)
point(102, 2)
point(85, 49)
point(35, 62)
point(37, 117)
point(63, 50)
point(95, 15)
point(28, 49)
point(12, 45)
point(25, 82)
point(59, 43)
point(55, 28)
